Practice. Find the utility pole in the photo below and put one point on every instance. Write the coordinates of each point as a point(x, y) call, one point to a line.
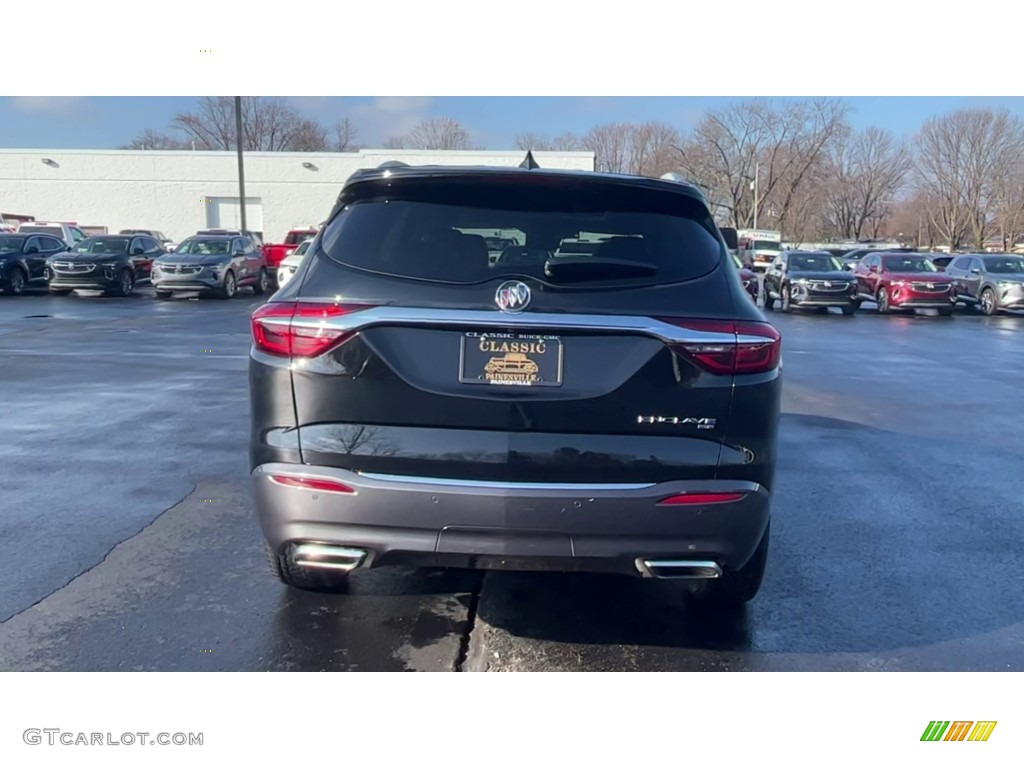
point(241, 164)
point(753, 186)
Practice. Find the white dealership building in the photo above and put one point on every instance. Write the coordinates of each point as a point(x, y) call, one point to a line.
point(178, 193)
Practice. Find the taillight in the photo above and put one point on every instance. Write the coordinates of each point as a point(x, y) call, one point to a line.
point(292, 329)
point(754, 348)
point(701, 498)
point(312, 484)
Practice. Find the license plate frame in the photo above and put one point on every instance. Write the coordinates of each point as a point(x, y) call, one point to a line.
point(511, 359)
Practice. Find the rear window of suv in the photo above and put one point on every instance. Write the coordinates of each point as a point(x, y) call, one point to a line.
point(560, 231)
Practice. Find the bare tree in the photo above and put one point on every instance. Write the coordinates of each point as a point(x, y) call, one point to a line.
point(610, 144)
point(151, 139)
point(345, 134)
point(442, 133)
point(268, 125)
point(308, 136)
point(566, 142)
point(1009, 203)
point(642, 149)
point(960, 158)
point(782, 145)
point(911, 218)
point(866, 172)
point(527, 141)
point(654, 149)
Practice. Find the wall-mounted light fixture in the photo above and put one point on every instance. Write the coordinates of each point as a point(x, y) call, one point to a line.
point(48, 161)
point(309, 166)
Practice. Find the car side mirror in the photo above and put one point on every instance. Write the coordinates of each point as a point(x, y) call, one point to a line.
point(138, 251)
point(32, 249)
point(873, 268)
point(975, 271)
point(239, 253)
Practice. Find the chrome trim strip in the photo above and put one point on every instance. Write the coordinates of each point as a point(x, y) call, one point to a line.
point(499, 485)
point(649, 569)
point(649, 326)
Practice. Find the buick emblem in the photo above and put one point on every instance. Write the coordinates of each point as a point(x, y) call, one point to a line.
point(512, 296)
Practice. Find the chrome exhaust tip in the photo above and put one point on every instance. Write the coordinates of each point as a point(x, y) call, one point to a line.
point(679, 569)
point(328, 557)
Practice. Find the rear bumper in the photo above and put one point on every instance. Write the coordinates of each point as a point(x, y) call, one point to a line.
point(517, 526)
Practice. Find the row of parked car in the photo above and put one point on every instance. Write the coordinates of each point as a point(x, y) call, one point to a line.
point(893, 280)
point(218, 262)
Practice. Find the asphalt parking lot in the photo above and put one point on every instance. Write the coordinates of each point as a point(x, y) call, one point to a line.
point(128, 541)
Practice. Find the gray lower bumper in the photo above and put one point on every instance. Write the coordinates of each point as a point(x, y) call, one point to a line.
point(515, 525)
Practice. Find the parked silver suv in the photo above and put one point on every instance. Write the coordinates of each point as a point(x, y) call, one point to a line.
point(217, 264)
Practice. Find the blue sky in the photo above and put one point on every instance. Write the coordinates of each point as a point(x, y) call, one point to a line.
point(106, 122)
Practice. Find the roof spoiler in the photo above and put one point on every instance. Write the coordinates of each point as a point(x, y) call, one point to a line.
point(528, 162)
point(393, 164)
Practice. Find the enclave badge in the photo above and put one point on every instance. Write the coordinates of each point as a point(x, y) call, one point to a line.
point(512, 296)
point(700, 423)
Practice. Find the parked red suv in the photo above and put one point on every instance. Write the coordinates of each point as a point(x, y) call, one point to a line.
point(897, 281)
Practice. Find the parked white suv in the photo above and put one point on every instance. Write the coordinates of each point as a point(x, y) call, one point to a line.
point(287, 268)
point(69, 233)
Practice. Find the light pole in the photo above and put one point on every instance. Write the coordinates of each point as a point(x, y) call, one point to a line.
point(241, 164)
point(753, 186)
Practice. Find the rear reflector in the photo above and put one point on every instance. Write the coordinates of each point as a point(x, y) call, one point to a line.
point(312, 484)
point(290, 329)
point(756, 347)
point(701, 498)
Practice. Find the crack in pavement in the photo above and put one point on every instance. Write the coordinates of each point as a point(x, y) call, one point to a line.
point(103, 559)
point(466, 639)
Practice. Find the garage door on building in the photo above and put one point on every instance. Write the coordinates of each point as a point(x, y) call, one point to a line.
point(226, 213)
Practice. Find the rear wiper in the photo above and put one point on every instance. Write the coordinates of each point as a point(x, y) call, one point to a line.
point(590, 268)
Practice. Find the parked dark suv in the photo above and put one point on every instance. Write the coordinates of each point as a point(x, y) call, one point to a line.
point(604, 399)
point(809, 280)
point(110, 263)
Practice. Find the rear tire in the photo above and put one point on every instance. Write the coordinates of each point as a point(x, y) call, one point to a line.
point(787, 301)
point(60, 291)
point(769, 302)
point(163, 294)
point(849, 309)
point(306, 579)
point(945, 312)
point(734, 589)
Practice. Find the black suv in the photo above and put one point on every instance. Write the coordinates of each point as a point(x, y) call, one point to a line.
point(809, 280)
point(604, 397)
point(23, 260)
point(110, 263)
